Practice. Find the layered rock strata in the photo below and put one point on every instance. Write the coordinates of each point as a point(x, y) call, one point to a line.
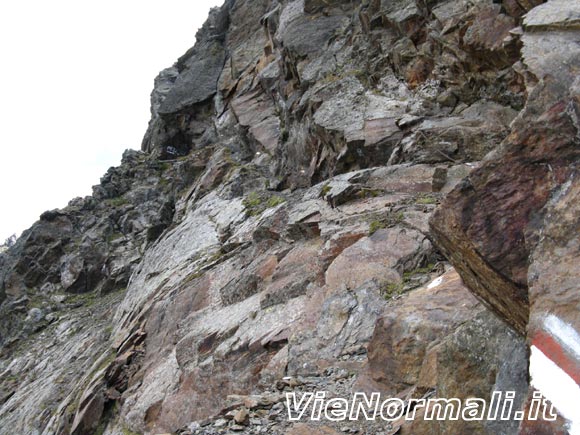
point(273, 235)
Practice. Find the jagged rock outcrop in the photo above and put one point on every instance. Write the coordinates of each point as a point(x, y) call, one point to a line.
point(273, 233)
point(92, 245)
point(511, 227)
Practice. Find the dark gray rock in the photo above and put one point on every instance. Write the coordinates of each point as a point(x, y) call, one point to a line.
point(198, 82)
point(305, 36)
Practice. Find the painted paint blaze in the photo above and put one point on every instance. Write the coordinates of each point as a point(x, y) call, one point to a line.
point(558, 354)
point(555, 367)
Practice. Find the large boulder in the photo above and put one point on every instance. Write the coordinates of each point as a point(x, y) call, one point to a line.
point(510, 228)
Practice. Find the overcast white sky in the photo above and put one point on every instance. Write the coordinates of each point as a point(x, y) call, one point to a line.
point(76, 78)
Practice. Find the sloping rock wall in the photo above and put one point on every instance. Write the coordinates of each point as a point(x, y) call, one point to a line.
point(511, 227)
point(273, 234)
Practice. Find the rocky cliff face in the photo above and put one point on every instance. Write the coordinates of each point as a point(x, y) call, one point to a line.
point(511, 228)
point(273, 234)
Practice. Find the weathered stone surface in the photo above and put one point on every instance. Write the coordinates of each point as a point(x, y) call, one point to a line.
point(306, 35)
point(408, 178)
point(511, 191)
point(432, 342)
point(520, 258)
point(257, 112)
point(488, 224)
point(274, 237)
point(465, 138)
point(303, 429)
point(94, 243)
point(201, 67)
point(414, 324)
point(361, 117)
point(383, 256)
point(554, 300)
point(555, 14)
point(489, 29)
point(51, 371)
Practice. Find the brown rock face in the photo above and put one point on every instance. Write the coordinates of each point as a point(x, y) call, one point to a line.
point(303, 429)
point(399, 347)
point(273, 236)
point(431, 343)
point(491, 223)
point(511, 228)
point(379, 256)
point(553, 272)
point(486, 226)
